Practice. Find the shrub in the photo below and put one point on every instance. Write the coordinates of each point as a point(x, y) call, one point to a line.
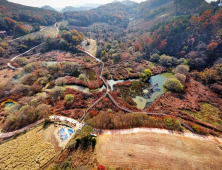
point(209, 76)
point(147, 73)
point(4, 45)
point(70, 69)
point(61, 81)
point(116, 57)
point(140, 69)
point(2, 51)
point(53, 68)
point(72, 145)
point(169, 123)
point(21, 61)
point(69, 98)
point(212, 46)
point(138, 56)
point(155, 57)
point(168, 61)
point(29, 68)
point(22, 48)
point(82, 77)
point(36, 88)
point(42, 80)
point(56, 93)
point(180, 77)
point(182, 69)
point(174, 85)
point(20, 89)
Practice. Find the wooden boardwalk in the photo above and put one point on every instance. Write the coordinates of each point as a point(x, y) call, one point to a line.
point(114, 101)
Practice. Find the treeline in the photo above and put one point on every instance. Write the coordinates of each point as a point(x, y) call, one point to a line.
point(132, 120)
point(187, 6)
point(67, 40)
point(113, 13)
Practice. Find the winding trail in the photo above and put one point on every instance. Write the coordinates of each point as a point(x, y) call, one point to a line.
point(14, 68)
point(9, 64)
point(55, 25)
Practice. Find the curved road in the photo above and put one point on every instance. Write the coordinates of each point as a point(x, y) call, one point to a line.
point(55, 25)
point(14, 68)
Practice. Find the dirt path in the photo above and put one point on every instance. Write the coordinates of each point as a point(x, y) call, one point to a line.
point(10, 134)
point(151, 150)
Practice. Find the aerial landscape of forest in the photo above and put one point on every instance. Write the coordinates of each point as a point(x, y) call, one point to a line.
point(111, 84)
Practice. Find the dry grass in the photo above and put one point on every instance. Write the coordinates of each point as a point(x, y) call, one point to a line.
point(6, 75)
point(28, 151)
point(157, 151)
point(92, 48)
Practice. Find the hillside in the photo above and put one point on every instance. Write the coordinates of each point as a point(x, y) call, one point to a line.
point(113, 13)
point(71, 8)
point(13, 16)
point(48, 8)
point(129, 2)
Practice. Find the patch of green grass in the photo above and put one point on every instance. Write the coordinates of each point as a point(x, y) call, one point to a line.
point(208, 114)
point(128, 69)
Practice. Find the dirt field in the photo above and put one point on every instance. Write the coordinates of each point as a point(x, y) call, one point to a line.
point(28, 151)
point(158, 151)
point(6, 75)
point(49, 135)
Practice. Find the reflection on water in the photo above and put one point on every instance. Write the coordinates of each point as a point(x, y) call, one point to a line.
point(9, 105)
point(148, 98)
point(113, 82)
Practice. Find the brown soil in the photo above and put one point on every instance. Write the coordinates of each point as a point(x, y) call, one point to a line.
point(6, 75)
point(48, 135)
point(157, 151)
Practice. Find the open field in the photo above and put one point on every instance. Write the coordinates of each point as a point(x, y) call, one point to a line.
point(6, 75)
point(158, 151)
point(28, 151)
point(92, 48)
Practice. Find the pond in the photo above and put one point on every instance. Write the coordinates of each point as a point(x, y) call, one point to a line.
point(113, 82)
point(148, 98)
point(8, 105)
point(143, 101)
point(18, 78)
